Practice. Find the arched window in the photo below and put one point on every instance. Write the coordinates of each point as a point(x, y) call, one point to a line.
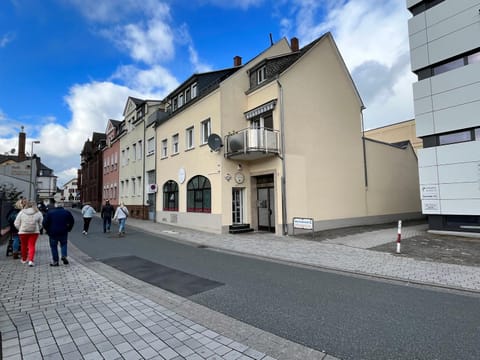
point(199, 197)
point(170, 196)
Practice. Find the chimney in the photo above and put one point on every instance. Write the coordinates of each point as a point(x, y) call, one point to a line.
point(21, 145)
point(294, 44)
point(237, 61)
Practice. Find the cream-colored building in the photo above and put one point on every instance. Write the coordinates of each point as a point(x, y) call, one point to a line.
point(136, 165)
point(396, 133)
point(280, 137)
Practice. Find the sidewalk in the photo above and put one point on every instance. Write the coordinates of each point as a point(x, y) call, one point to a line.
point(79, 311)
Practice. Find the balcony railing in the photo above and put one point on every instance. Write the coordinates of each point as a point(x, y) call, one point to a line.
point(252, 144)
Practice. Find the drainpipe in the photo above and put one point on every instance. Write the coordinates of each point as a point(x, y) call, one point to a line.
point(364, 149)
point(284, 172)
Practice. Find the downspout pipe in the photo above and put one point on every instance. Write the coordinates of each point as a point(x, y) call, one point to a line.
point(365, 169)
point(284, 172)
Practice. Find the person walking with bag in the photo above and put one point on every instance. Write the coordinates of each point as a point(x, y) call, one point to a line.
point(121, 215)
point(87, 211)
point(107, 215)
point(11, 216)
point(58, 222)
point(28, 222)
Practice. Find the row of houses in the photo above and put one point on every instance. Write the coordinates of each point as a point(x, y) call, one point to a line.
point(262, 145)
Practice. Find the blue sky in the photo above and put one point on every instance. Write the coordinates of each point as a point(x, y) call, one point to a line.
point(67, 66)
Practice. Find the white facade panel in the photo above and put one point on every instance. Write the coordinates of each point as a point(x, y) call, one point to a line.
point(458, 153)
point(460, 173)
point(410, 3)
point(416, 24)
point(423, 105)
point(455, 97)
point(418, 39)
point(442, 22)
point(453, 79)
point(455, 43)
point(427, 157)
point(424, 124)
point(460, 207)
point(419, 57)
point(460, 191)
point(459, 117)
point(422, 89)
point(431, 207)
point(428, 175)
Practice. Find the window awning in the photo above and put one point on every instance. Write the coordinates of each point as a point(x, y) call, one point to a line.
point(260, 109)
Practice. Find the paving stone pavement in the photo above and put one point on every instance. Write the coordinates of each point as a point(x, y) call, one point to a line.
point(74, 312)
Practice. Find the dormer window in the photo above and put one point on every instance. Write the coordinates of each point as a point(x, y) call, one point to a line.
point(180, 100)
point(174, 104)
point(261, 74)
point(194, 90)
point(188, 95)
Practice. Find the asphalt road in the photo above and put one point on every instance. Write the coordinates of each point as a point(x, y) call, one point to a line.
point(348, 317)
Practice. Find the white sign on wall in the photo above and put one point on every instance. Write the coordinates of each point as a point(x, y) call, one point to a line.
point(429, 192)
point(430, 206)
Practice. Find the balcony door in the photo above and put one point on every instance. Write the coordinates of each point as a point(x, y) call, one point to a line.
point(258, 125)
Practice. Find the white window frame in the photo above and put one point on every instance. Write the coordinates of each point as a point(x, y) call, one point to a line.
point(175, 145)
point(261, 74)
point(206, 130)
point(194, 90)
point(151, 146)
point(189, 138)
point(140, 149)
point(180, 100)
point(164, 148)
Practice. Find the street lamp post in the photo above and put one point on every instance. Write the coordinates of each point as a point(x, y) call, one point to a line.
point(31, 171)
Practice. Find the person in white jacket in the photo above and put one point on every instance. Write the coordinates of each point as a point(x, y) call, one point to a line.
point(28, 222)
point(121, 215)
point(87, 211)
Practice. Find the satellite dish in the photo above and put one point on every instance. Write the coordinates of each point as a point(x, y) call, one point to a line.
point(215, 142)
point(12, 151)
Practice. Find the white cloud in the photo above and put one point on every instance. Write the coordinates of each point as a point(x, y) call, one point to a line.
point(5, 39)
point(372, 37)
point(155, 82)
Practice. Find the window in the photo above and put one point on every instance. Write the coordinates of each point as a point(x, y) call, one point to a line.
point(127, 153)
point(180, 100)
point(134, 151)
point(170, 196)
point(261, 74)
point(174, 104)
point(164, 148)
point(140, 149)
point(194, 90)
point(124, 158)
point(139, 184)
point(473, 58)
point(456, 137)
point(151, 146)
point(199, 195)
point(188, 95)
point(451, 65)
point(477, 134)
point(134, 187)
point(189, 138)
point(175, 147)
point(206, 130)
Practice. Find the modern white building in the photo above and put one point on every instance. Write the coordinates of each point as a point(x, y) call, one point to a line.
point(445, 55)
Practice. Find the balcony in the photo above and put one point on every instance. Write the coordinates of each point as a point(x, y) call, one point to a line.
point(252, 144)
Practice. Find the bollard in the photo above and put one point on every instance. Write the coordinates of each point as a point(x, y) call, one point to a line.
point(399, 235)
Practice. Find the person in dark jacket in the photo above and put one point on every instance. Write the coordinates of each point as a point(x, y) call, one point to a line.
point(107, 215)
point(58, 222)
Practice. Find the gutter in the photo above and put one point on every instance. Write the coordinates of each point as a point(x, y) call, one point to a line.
point(284, 172)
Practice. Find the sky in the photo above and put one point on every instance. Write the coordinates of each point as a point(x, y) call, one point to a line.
point(68, 66)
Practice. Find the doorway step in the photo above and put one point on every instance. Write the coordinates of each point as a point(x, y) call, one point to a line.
point(239, 228)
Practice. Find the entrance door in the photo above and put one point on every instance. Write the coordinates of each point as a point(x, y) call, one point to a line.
point(237, 206)
point(266, 209)
point(151, 206)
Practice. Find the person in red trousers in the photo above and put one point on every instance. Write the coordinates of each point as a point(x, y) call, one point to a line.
point(28, 223)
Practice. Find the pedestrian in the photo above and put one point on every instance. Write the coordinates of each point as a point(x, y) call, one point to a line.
point(107, 215)
point(11, 216)
point(121, 215)
point(87, 211)
point(28, 222)
point(58, 223)
point(43, 209)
